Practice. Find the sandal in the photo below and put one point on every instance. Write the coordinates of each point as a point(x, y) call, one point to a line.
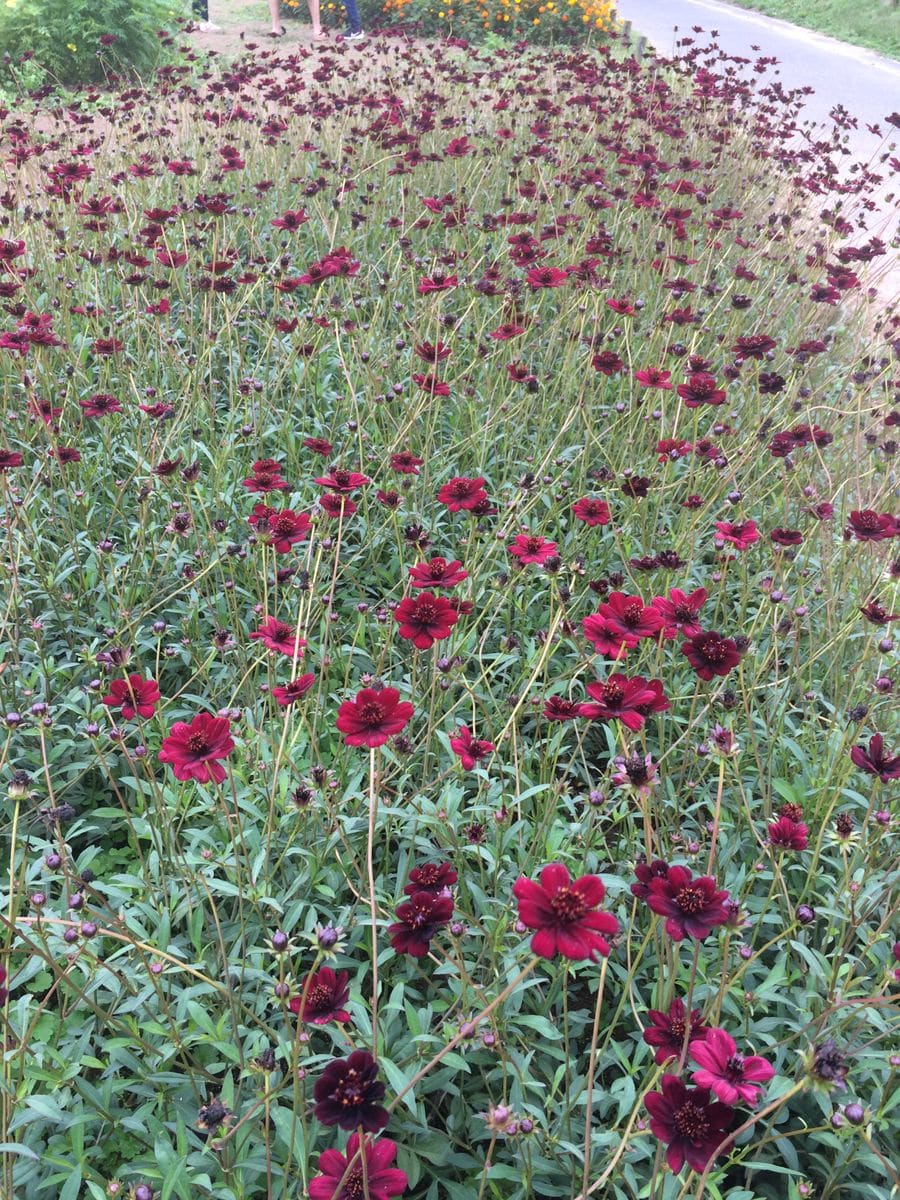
point(277, 34)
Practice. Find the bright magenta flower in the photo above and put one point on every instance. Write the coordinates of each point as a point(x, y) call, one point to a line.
point(373, 717)
point(468, 749)
point(382, 1180)
point(730, 1076)
point(528, 549)
point(134, 696)
point(193, 750)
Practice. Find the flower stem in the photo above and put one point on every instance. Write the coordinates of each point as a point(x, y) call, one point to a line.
point(590, 1077)
point(373, 912)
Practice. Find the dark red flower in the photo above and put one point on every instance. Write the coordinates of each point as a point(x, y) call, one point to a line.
point(437, 283)
point(418, 920)
point(709, 654)
point(326, 993)
point(786, 537)
point(619, 698)
point(787, 834)
point(292, 691)
point(654, 377)
point(688, 1122)
point(468, 750)
point(291, 220)
point(425, 619)
point(866, 525)
point(347, 1093)
point(730, 1076)
point(438, 573)
point(336, 504)
point(875, 760)
point(692, 906)
point(875, 612)
point(620, 623)
point(342, 482)
point(280, 636)
point(462, 493)
point(436, 878)
point(133, 695)
point(283, 527)
point(645, 871)
point(680, 612)
point(592, 511)
point(741, 535)
point(431, 384)
point(373, 717)
point(405, 463)
point(318, 445)
point(607, 363)
point(700, 389)
point(9, 459)
point(668, 1030)
point(564, 914)
point(353, 1174)
point(528, 549)
point(100, 404)
point(546, 277)
point(557, 708)
point(192, 750)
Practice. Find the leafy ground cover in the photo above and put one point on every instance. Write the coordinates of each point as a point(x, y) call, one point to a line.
point(449, 553)
point(876, 25)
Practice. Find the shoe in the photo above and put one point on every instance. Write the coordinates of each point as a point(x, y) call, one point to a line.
point(277, 33)
point(358, 36)
point(208, 27)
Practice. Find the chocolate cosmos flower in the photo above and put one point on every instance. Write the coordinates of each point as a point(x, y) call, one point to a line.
point(688, 1122)
point(564, 914)
point(347, 1093)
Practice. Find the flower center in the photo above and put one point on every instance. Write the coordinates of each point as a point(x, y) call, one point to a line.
point(198, 743)
point(690, 1122)
point(319, 997)
point(613, 695)
point(631, 613)
point(734, 1068)
point(354, 1188)
point(714, 649)
point(533, 545)
point(371, 714)
point(351, 1091)
point(690, 899)
point(425, 613)
point(684, 612)
point(568, 905)
point(282, 524)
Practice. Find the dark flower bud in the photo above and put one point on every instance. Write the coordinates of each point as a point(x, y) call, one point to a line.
point(88, 928)
point(279, 941)
point(855, 1113)
point(805, 914)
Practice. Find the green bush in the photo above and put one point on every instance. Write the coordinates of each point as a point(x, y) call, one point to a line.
point(68, 41)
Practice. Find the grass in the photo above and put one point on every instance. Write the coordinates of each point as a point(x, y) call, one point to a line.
point(510, 292)
point(875, 25)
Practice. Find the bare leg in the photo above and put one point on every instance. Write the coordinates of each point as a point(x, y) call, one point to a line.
point(275, 15)
point(313, 6)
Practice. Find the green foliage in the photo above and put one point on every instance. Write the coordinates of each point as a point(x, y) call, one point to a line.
point(61, 39)
point(875, 24)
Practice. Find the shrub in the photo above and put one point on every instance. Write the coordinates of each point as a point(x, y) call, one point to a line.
point(81, 41)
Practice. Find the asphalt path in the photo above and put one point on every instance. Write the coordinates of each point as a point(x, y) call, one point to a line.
point(865, 84)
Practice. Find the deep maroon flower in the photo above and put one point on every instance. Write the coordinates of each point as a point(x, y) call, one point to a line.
point(786, 537)
point(100, 404)
point(9, 458)
point(342, 482)
point(875, 612)
point(318, 445)
point(192, 750)
point(668, 1029)
point(607, 362)
point(528, 549)
point(373, 717)
point(631, 617)
point(866, 525)
point(688, 1122)
point(692, 906)
point(875, 760)
point(680, 612)
point(405, 463)
point(755, 346)
point(418, 920)
point(290, 220)
point(564, 914)
point(352, 1175)
point(468, 749)
point(431, 384)
point(462, 493)
point(709, 654)
point(283, 527)
point(133, 695)
point(280, 636)
point(326, 993)
point(730, 1076)
point(437, 283)
point(787, 834)
point(347, 1094)
point(425, 619)
point(437, 574)
point(292, 691)
point(619, 698)
point(645, 872)
point(546, 277)
point(337, 504)
point(558, 708)
point(436, 878)
point(700, 389)
point(591, 510)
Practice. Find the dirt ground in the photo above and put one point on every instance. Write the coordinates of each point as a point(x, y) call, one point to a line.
point(246, 22)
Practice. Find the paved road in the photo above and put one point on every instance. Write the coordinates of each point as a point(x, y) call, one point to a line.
point(865, 83)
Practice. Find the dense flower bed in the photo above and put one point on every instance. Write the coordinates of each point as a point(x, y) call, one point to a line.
point(450, 553)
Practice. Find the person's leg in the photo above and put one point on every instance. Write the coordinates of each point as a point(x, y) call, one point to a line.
point(353, 16)
point(315, 18)
point(275, 14)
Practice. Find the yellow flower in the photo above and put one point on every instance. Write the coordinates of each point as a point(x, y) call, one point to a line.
point(73, 48)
